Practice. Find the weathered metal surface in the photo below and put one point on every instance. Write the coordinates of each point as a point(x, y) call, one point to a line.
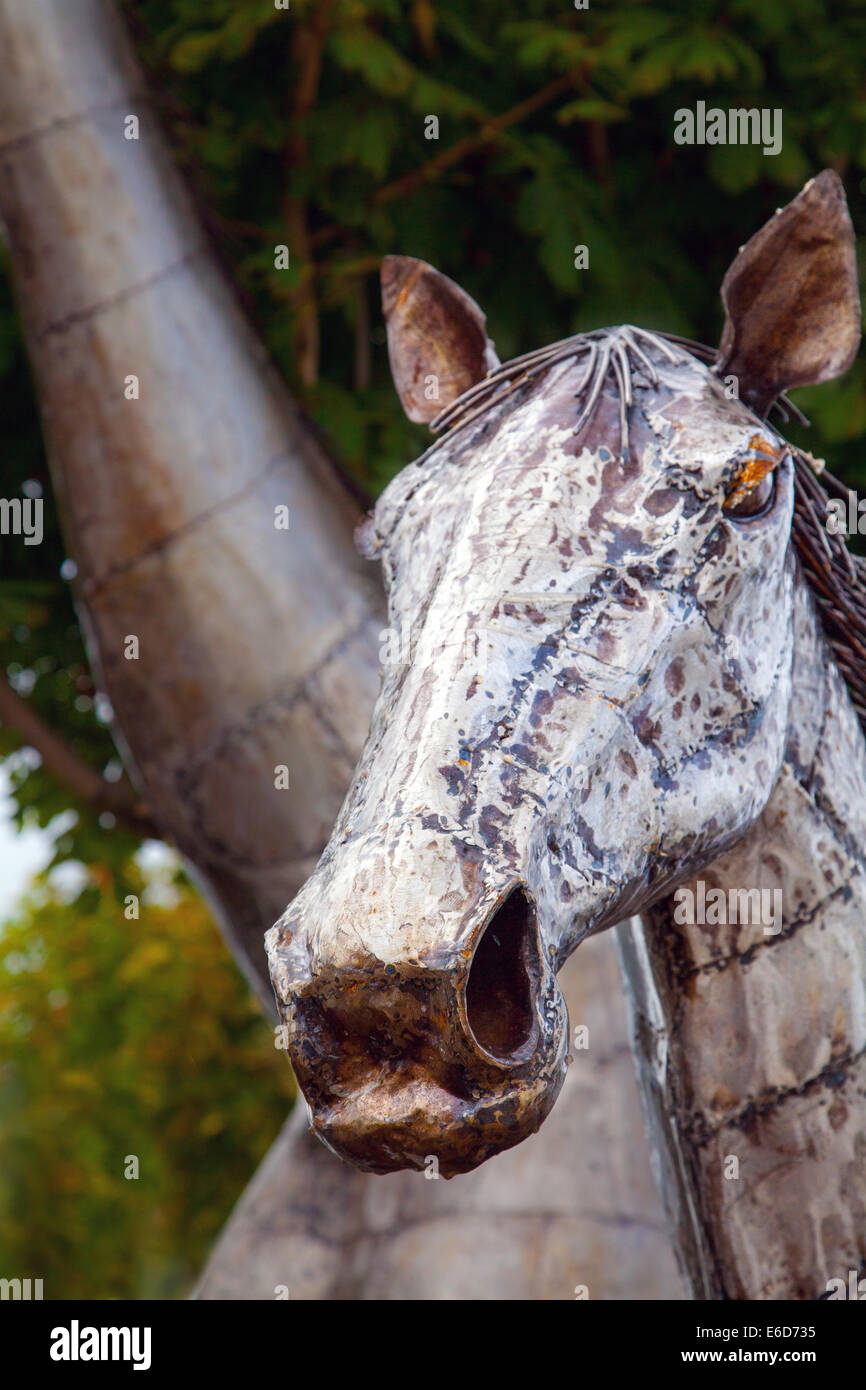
point(766, 1032)
point(597, 700)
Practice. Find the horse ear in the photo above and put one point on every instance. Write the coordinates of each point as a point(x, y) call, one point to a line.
point(437, 337)
point(792, 308)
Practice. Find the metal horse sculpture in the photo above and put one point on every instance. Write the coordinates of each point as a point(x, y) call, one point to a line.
point(619, 676)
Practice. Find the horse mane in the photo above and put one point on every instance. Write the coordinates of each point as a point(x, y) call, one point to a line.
point(836, 577)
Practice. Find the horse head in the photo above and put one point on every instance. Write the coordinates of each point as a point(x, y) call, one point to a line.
point(590, 577)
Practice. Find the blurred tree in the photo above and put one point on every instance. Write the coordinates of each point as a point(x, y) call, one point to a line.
point(554, 129)
point(139, 1042)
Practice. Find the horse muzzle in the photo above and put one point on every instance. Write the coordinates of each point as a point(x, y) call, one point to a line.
point(437, 1059)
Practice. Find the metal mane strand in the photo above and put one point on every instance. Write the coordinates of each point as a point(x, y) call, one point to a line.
point(837, 578)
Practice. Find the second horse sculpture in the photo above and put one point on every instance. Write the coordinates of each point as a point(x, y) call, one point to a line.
point(617, 677)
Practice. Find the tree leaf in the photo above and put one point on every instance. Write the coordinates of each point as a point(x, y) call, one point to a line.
point(591, 109)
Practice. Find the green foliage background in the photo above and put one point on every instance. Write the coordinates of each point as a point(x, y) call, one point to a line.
point(593, 162)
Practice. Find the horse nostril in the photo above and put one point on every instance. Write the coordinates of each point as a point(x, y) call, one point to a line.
point(504, 978)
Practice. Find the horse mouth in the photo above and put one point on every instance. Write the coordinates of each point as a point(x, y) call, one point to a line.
point(410, 1122)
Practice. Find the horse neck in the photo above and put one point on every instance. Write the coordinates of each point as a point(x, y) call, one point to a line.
point(752, 1041)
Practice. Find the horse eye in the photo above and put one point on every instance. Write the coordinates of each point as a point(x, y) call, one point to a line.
point(745, 505)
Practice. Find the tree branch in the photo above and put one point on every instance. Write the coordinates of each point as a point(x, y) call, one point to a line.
point(362, 337)
point(490, 131)
point(307, 49)
point(83, 781)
